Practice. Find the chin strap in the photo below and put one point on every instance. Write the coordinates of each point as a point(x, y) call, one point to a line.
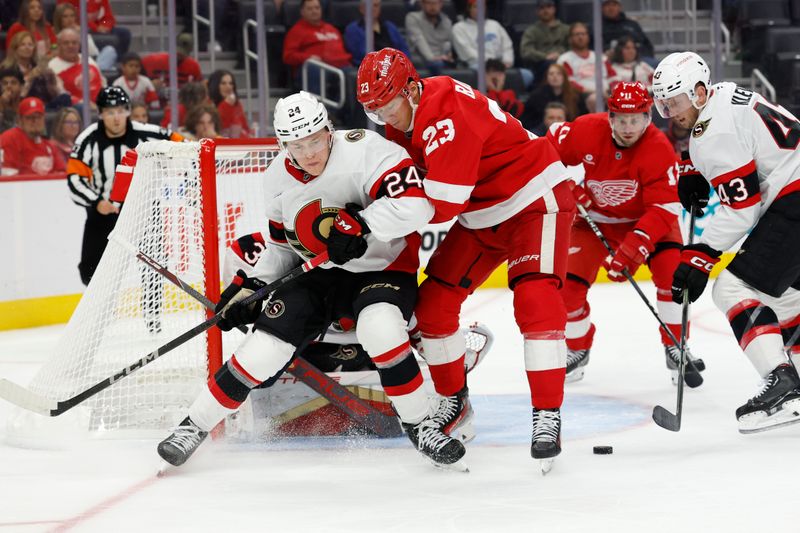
point(413, 107)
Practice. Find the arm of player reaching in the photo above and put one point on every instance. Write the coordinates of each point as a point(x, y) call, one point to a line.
point(400, 205)
point(277, 258)
point(740, 199)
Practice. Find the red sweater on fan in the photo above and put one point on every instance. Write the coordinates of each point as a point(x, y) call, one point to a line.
point(37, 36)
point(230, 116)
point(304, 40)
point(98, 13)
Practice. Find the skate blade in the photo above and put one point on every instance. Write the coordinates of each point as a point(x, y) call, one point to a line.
point(759, 422)
point(575, 375)
point(164, 468)
point(458, 466)
point(546, 465)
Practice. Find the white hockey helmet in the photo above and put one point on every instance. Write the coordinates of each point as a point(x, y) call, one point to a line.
point(678, 74)
point(299, 115)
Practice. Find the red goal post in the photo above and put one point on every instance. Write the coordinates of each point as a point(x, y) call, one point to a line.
point(187, 202)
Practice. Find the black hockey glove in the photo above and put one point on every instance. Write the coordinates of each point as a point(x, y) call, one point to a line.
point(697, 260)
point(234, 314)
point(347, 238)
point(693, 189)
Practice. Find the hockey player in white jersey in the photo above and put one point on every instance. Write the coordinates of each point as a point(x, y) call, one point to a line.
point(746, 148)
point(316, 189)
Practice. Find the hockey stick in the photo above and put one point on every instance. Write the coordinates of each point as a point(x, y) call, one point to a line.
point(693, 379)
point(339, 396)
point(31, 401)
point(661, 416)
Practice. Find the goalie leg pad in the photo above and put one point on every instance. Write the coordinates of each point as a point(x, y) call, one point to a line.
point(381, 330)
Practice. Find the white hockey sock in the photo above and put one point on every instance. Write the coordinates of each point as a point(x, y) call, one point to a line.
point(206, 412)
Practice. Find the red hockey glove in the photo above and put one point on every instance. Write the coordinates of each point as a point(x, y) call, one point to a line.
point(581, 196)
point(692, 273)
point(346, 239)
point(632, 252)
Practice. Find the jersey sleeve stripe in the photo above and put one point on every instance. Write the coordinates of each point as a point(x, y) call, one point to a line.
point(277, 232)
point(447, 192)
point(744, 170)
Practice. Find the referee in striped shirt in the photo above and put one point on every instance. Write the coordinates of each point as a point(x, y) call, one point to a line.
point(90, 169)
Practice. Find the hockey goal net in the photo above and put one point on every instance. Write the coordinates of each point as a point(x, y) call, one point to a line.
point(186, 203)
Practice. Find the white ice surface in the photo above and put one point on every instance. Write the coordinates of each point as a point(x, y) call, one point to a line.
point(705, 478)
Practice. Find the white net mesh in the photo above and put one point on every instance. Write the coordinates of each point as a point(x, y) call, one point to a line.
point(128, 309)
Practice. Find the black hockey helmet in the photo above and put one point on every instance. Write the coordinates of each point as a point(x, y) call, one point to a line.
point(112, 97)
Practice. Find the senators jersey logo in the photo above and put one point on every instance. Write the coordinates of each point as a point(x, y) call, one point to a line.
point(312, 224)
point(612, 192)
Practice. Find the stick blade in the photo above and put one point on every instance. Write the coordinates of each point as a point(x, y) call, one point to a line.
point(26, 399)
point(665, 419)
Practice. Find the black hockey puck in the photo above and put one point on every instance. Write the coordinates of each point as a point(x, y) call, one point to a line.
point(603, 450)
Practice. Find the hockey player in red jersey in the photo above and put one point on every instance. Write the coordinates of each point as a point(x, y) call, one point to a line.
point(359, 198)
point(507, 187)
point(745, 147)
point(629, 191)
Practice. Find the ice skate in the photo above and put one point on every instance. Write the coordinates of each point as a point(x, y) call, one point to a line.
point(546, 439)
point(179, 446)
point(443, 450)
point(777, 403)
point(454, 416)
point(576, 363)
point(692, 371)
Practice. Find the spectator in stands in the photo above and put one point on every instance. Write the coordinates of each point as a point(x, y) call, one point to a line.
point(66, 127)
point(222, 91)
point(465, 39)
point(22, 54)
point(385, 34)
point(616, 24)
point(627, 65)
point(66, 16)
point(101, 20)
point(139, 113)
point(138, 86)
point(430, 35)
point(579, 63)
point(11, 81)
point(555, 88)
point(67, 66)
point(203, 122)
point(43, 84)
point(31, 19)
point(25, 150)
point(545, 40)
point(190, 96)
point(553, 112)
point(156, 66)
point(678, 136)
point(495, 88)
point(313, 38)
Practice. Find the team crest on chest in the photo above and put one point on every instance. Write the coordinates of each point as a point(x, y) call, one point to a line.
point(700, 128)
point(613, 192)
point(311, 227)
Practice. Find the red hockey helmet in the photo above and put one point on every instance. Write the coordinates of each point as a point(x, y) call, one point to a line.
point(382, 76)
point(629, 97)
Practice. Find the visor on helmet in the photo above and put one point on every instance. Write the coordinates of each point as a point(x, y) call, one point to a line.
point(669, 107)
